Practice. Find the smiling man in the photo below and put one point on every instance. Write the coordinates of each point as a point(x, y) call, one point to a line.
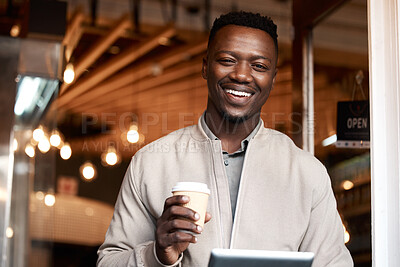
point(266, 193)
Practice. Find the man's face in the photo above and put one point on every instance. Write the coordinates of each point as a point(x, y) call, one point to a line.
point(240, 71)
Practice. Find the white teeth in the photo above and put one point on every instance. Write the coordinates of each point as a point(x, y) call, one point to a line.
point(237, 93)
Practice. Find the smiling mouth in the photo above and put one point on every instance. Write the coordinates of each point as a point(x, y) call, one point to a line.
point(237, 93)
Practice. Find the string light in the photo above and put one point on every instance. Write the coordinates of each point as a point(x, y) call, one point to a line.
point(38, 134)
point(55, 138)
point(69, 73)
point(133, 135)
point(88, 171)
point(44, 144)
point(65, 151)
point(15, 30)
point(347, 185)
point(110, 157)
point(346, 235)
point(164, 41)
point(30, 150)
point(49, 200)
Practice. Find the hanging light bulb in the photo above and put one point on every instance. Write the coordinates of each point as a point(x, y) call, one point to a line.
point(30, 150)
point(346, 235)
point(55, 138)
point(88, 171)
point(110, 157)
point(347, 185)
point(49, 200)
point(44, 144)
point(69, 73)
point(38, 134)
point(65, 151)
point(15, 30)
point(133, 135)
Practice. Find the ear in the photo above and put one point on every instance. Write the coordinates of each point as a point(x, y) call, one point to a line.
point(204, 68)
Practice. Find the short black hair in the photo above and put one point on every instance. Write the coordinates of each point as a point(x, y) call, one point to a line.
point(247, 19)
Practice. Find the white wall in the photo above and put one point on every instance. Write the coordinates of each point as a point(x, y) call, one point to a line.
point(384, 60)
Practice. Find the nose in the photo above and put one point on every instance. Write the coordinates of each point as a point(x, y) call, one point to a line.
point(241, 73)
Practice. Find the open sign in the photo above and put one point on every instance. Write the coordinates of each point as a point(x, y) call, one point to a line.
point(353, 122)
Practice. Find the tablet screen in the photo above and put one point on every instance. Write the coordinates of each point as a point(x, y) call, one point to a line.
point(259, 258)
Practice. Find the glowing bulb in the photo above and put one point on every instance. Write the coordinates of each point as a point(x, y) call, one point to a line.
point(132, 136)
point(65, 151)
point(15, 145)
point(38, 134)
point(55, 139)
point(88, 171)
point(164, 41)
point(347, 185)
point(15, 30)
point(69, 73)
point(346, 237)
point(111, 158)
point(49, 200)
point(30, 150)
point(44, 145)
point(9, 232)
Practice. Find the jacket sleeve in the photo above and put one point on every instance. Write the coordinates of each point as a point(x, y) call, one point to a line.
point(324, 235)
point(130, 238)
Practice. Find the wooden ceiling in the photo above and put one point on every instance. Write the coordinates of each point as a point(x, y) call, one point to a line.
point(153, 76)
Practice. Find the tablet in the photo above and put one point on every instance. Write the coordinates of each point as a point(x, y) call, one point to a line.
point(259, 258)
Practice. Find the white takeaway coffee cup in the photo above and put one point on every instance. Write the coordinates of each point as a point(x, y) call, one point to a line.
point(198, 193)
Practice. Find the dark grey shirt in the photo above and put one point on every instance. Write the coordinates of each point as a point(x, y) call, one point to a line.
point(233, 162)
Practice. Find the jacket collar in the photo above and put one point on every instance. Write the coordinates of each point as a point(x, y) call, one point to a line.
point(197, 132)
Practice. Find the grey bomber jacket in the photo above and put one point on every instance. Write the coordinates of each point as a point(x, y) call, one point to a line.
point(285, 201)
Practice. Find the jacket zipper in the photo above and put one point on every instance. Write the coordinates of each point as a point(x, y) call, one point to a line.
point(239, 194)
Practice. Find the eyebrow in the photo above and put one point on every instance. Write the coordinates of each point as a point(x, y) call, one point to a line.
point(252, 57)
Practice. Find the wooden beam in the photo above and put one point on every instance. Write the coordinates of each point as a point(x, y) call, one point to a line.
point(125, 94)
point(73, 25)
point(148, 97)
point(73, 33)
point(136, 73)
point(115, 64)
point(98, 48)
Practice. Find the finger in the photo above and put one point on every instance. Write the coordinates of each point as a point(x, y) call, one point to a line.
point(176, 200)
point(208, 217)
point(179, 224)
point(175, 238)
point(179, 211)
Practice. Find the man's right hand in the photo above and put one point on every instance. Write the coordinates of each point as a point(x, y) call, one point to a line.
point(170, 242)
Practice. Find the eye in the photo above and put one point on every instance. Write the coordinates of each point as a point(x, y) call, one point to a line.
point(226, 61)
point(260, 67)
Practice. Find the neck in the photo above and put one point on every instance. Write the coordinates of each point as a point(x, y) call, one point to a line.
point(230, 133)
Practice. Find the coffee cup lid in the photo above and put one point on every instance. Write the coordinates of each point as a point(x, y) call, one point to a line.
point(191, 186)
